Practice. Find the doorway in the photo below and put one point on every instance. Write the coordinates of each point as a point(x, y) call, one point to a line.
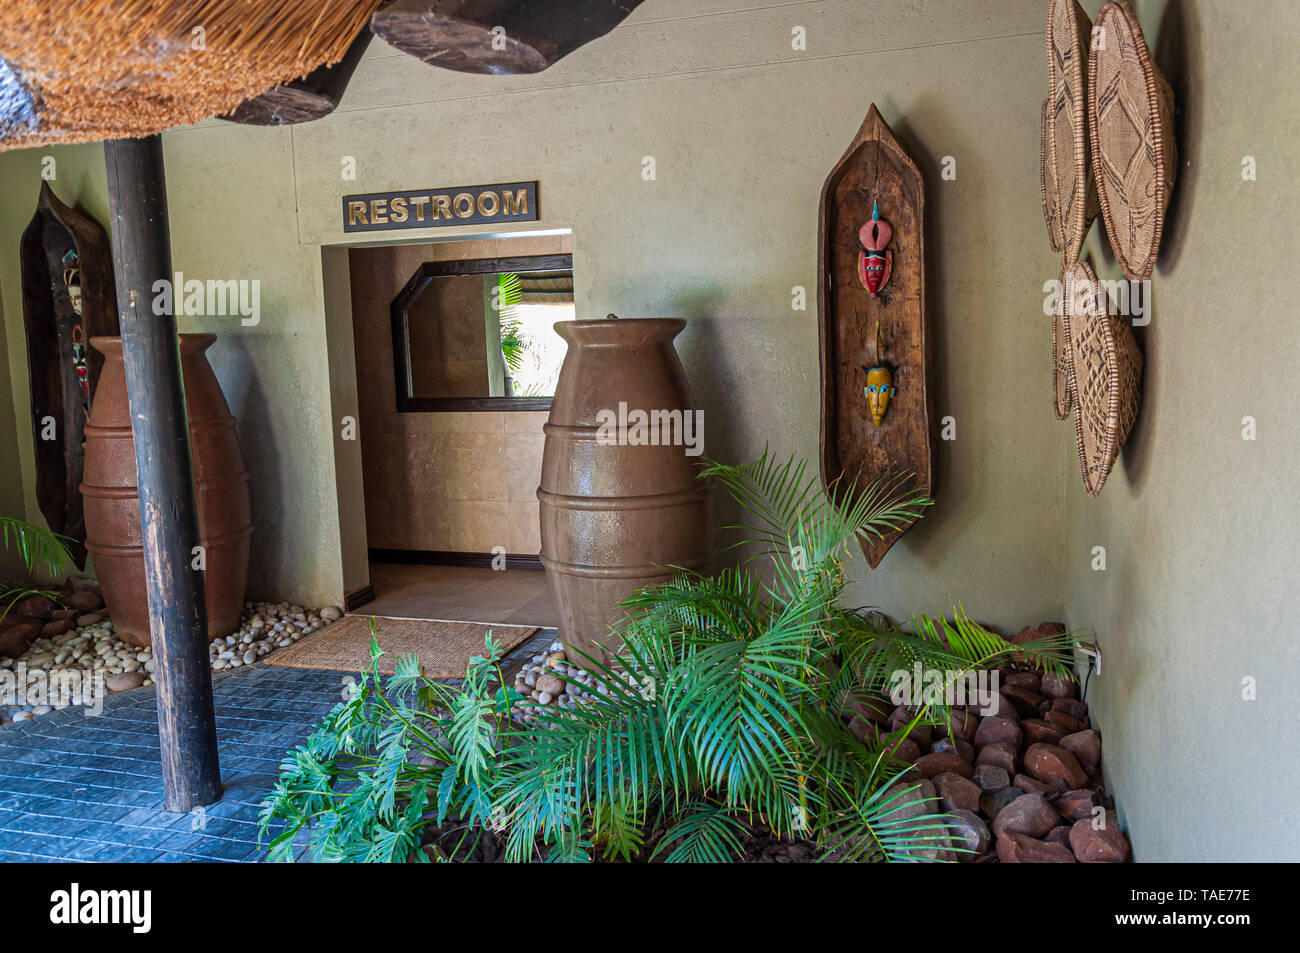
point(451, 393)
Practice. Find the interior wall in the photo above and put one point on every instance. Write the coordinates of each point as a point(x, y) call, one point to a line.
point(742, 135)
point(1196, 605)
point(442, 482)
point(349, 495)
point(76, 175)
point(11, 482)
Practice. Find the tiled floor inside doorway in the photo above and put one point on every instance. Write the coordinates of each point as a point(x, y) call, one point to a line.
point(461, 594)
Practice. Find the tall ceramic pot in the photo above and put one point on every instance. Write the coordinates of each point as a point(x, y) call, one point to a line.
point(616, 508)
point(113, 531)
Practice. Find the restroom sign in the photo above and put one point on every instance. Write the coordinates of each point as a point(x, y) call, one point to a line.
point(433, 208)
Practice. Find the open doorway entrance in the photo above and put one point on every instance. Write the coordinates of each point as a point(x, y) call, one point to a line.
point(455, 360)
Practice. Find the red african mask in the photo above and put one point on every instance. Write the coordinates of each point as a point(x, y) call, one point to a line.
point(875, 261)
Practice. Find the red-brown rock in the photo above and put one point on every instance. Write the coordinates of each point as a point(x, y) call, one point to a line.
point(1076, 805)
point(1066, 724)
point(909, 800)
point(1019, 849)
point(1059, 835)
point(962, 748)
point(921, 734)
point(1001, 754)
point(994, 729)
point(963, 724)
point(14, 641)
point(1056, 686)
point(85, 600)
point(1029, 785)
point(13, 619)
point(1001, 707)
point(990, 777)
point(957, 792)
point(1050, 763)
point(1025, 680)
point(1030, 814)
point(1027, 704)
point(992, 802)
point(1037, 731)
point(57, 627)
point(1105, 846)
point(969, 832)
point(905, 749)
point(1071, 706)
point(1034, 632)
point(35, 605)
point(1086, 748)
point(865, 731)
point(943, 763)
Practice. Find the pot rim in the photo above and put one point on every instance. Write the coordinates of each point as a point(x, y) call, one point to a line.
point(190, 341)
point(669, 328)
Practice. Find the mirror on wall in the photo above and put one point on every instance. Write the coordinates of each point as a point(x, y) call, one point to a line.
point(479, 334)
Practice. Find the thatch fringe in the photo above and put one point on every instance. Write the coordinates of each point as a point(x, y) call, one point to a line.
point(107, 69)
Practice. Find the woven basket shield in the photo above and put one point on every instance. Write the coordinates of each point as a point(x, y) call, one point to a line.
point(1131, 116)
point(1106, 375)
point(1068, 32)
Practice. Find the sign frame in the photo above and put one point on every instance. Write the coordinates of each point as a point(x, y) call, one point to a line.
point(495, 204)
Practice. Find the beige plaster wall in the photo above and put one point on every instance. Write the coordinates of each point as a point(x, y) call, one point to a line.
point(743, 130)
point(1198, 525)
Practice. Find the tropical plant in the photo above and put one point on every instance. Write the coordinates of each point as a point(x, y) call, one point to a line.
point(393, 759)
point(510, 292)
point(729, 710)
point(40, 550)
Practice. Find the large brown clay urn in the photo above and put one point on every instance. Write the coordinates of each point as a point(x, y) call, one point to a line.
point(113, 530)
point(614, 514)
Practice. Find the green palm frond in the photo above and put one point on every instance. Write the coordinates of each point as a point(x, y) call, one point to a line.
point(798, 525)
point(730, 707)
point(703, 834)
point(886, 827)
point(509, 294)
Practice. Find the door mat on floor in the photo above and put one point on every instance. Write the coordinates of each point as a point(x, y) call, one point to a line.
point(444, 648)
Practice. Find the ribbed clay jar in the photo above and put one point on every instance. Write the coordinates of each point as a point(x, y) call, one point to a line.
point(113, 531)
point(613, 514)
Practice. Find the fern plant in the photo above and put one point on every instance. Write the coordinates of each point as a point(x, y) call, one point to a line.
point(727, 711)
point(41, 551)
point(393, 759)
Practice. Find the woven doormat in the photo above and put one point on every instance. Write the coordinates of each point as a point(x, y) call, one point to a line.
point(444, 648)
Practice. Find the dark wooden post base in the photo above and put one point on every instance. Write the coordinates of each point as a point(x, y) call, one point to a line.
point(187, 728)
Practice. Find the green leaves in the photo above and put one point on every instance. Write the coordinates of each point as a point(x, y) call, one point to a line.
point(727, 711)
point(704, 834)
point(40, 549)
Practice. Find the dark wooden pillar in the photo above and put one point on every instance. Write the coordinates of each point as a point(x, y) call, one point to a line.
point(187, 730)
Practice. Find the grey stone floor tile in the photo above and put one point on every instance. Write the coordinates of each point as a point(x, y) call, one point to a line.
point(78, 789)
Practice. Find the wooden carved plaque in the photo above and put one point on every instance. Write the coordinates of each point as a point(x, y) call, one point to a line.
point(875, 171)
